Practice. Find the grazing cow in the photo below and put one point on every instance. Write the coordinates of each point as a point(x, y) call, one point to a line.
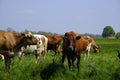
point(54, 43)
point(1, 57)
point(39, 48)
point(118, 54)
point(73, 45)
point(11, 42)
point(94, 45)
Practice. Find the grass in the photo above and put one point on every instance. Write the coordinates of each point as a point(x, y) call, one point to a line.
point(102, 66)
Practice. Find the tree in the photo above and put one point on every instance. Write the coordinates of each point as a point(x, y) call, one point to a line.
point(117, 35)
point(108, 31)
point(10, 29)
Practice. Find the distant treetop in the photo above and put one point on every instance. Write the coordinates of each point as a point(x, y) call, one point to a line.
point(108, 31)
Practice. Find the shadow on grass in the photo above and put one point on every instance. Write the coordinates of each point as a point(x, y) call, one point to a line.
point(116, 74)
point(51, 70)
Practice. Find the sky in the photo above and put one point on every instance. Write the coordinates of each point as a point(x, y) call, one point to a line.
point(60, 16)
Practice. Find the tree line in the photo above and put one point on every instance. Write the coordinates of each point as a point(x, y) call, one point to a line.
point(108, 32)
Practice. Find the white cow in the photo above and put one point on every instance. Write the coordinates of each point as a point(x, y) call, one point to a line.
point(39, 48)
point(42, 47)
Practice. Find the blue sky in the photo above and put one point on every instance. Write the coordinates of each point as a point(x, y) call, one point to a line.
point(60, 16)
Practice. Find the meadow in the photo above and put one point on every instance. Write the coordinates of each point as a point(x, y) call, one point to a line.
point(104, 65)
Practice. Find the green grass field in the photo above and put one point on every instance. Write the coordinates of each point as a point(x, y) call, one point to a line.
point(102, 66)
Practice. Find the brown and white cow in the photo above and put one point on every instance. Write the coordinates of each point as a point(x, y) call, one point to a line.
point(73, 45)
point(39, 48)
point(42, 47)
point(11, 42)
point(93, 45)
point(54, 43)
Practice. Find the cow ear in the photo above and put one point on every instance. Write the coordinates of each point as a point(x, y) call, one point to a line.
point(78, 37)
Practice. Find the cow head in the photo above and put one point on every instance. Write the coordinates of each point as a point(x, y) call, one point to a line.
point(96, 49)
point(69, 40)
point(30, 39)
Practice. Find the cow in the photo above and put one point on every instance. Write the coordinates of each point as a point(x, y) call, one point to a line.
point(39, 48)
point(54, 43)
point(94, 45)
point(11, 42)
point(73, 45)
point(43, 44)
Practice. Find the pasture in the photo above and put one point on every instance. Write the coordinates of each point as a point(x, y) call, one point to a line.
point(102, 66)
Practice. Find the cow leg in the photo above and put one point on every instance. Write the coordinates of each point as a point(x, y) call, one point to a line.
point(44, 54)
point(37, 58)
point(84, 56)
point(45, 49)
point(73, 60)
point(7, 63)
point(88, 50)
point(37, 55)
point(88, 54)
point(69, 63)
point(63, 57)
point(78, 61)
point(57, 50)
point(20, 54)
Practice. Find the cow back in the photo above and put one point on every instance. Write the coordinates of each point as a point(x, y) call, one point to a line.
point(7, 40)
